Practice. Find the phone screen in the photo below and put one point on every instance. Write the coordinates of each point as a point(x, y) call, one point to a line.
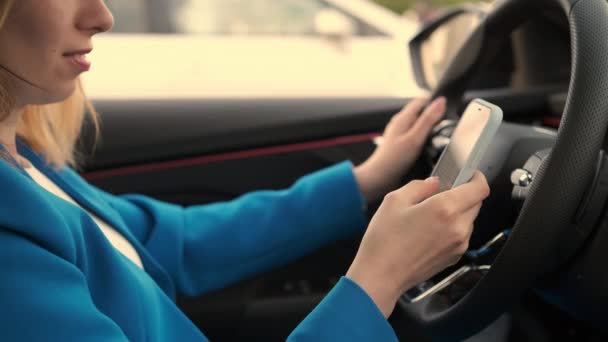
point(465, 136)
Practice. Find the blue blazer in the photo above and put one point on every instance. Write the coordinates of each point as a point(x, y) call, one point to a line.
point(61, 280)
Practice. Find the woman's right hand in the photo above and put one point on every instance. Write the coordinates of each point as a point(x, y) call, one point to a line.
point(414, 235)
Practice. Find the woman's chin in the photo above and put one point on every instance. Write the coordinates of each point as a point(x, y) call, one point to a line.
point(57, 94)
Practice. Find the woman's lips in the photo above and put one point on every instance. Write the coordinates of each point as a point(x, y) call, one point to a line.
point(79, 61)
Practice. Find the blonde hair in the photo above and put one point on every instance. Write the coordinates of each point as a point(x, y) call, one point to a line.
point(52, 129)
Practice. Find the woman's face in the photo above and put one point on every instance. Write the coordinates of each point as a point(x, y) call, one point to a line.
point(43, 44)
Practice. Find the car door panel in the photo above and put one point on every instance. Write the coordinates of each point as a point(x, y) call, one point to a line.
point(139, 131)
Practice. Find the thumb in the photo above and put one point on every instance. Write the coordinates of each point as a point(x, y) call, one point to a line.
point(417, 191)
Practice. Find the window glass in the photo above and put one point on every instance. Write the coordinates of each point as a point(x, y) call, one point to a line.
point(129, 16)
point(225, 17)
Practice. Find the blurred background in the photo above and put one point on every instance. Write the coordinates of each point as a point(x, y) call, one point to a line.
point(259, 48)
point(421, 9)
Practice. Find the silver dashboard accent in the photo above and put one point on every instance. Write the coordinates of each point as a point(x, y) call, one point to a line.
point(440, 142)
point(486, 248)
point(521, 177)
point(447, 281)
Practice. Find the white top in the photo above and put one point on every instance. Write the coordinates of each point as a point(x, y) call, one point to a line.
point(113, 236)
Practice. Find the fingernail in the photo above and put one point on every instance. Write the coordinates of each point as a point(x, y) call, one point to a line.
point(431, 179)
point(433, 105)
point(440, 100)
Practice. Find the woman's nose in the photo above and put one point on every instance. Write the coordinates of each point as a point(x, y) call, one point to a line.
point(95, 17)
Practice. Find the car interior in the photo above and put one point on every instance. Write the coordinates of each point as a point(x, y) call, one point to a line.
point(538, 271)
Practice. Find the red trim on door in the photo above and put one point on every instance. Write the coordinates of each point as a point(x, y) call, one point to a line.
point(552, 121)
point(214, 158)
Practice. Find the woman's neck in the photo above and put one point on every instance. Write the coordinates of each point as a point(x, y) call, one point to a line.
point(8, 133)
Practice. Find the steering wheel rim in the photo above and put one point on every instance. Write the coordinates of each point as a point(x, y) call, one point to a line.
point(547, 217)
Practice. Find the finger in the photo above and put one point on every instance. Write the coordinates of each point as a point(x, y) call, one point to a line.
point(431, 115)
point(403, 120)
point(467, 222)
point(417, 191)
point(469, 194)
point(469, 217)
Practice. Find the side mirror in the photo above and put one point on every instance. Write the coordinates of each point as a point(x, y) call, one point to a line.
point(333, 24)
point(437, 43)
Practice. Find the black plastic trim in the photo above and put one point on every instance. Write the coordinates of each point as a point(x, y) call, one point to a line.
point(137, 131)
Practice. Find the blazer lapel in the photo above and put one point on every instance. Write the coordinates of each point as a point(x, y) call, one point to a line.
point(83, 194)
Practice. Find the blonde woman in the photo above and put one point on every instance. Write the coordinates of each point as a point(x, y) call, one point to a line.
point(79, 264)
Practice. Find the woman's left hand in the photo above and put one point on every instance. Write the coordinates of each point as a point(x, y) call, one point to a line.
point(403, 139)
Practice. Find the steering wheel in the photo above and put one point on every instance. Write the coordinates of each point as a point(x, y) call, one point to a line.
point(537, 242)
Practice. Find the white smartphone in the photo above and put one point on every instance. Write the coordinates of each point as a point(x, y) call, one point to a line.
point(473, 133)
